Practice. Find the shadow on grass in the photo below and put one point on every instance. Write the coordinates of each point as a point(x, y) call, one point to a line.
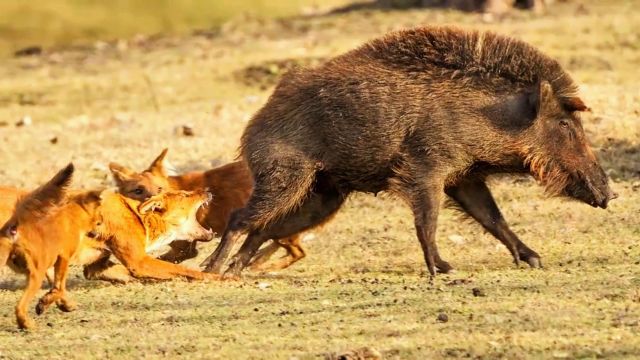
point(460, 5)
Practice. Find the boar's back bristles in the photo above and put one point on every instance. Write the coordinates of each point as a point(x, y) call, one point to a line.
point(491, 59)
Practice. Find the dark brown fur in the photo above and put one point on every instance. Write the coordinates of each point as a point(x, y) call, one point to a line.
point(416, 113)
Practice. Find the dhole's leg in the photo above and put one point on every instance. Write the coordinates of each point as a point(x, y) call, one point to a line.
point(181, 250)
point(141, 265)
point(34, 282)
point(58, 293)
point(263, 255)
point(476, 200)
point(6, 246)
point(316, 209)
point(106, 270)
point(295, 253)
point(294, 249)
point(152, 268)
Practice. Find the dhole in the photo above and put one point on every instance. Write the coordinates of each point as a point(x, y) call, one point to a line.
point(50, 227)
point(230, 185)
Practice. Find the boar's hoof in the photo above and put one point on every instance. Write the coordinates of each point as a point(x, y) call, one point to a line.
point(534, 262)
point(443, 267)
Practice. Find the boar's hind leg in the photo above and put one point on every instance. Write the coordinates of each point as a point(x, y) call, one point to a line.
point(316, 209)
point(235, 228)
point(425, 204)
point(279, 188)
point(474, 197)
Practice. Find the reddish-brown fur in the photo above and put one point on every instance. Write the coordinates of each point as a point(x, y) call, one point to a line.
point(416, 113)
point(230, 185)
point(50, 228)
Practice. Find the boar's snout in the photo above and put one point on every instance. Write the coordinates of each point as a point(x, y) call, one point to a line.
point(591, 187)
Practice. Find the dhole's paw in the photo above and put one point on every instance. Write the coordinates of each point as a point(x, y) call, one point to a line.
point(42, 306)
point(211, 276)
point(230, 277)
point(67, 305)
point(26, 323)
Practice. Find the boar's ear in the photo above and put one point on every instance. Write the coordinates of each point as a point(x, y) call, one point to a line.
point(120, 173)
point(575, 104)
point(152, 205)
point(541, 96)
point(157, 167)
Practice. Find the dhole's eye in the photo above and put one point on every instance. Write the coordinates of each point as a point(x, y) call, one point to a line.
point(564, 123)
point(13, 230)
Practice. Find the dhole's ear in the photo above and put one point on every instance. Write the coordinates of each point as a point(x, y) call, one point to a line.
point(151, 205)
point(56, 188)
point(157, 167)
point(50, 194)
point(120, 173)
point(575, 104)
point(541, 96)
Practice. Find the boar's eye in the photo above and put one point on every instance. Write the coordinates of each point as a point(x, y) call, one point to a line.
point(138, 191)
point(564, 123)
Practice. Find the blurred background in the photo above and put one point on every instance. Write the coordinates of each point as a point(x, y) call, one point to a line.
point(72, 22)
point(29, 24)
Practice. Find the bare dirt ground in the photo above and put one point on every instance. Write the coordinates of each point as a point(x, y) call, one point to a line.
point(363, 283)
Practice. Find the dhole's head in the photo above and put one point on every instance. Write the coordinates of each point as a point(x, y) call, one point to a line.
point(556, 149)
point(141, 186)
point(173, 213)
point(31, 208)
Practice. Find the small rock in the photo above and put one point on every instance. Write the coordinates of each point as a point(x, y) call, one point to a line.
point(98, 166)
point(263, 285)
point(3, 123)
point(185, 130)
point(365, 353)
point(457, 239)
point(28, 51)
point(477, 292)
point(54, 140)
point(442, 317)
point(25, 121)
point(308, 237)
point(251, 99)
point(50, 324)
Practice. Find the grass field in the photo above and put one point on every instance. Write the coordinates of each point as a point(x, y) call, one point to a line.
point(363, 283)
point(76, 22)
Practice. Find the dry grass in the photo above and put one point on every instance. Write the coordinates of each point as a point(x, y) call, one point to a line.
point(363, 283)
point(76, 22)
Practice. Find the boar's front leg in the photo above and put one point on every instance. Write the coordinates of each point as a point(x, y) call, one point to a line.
point(475, 198)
